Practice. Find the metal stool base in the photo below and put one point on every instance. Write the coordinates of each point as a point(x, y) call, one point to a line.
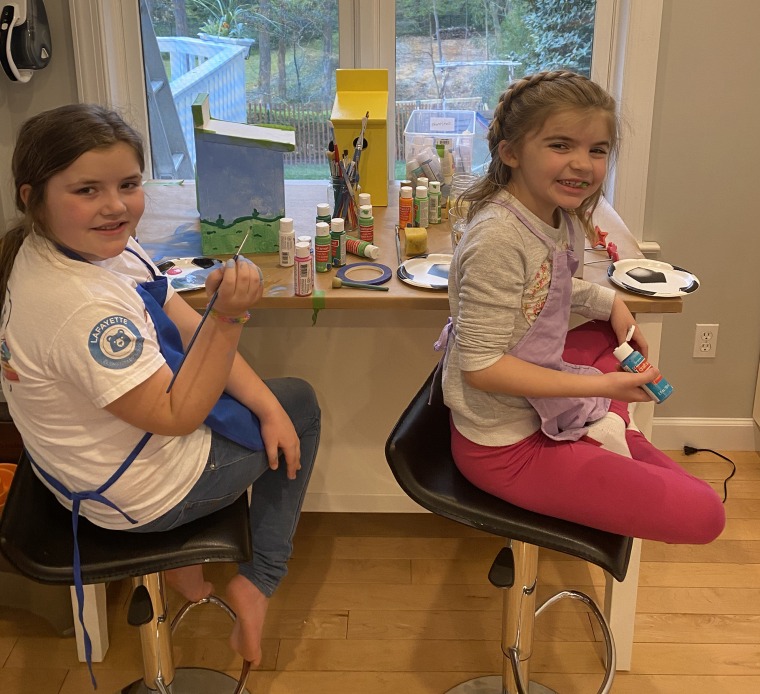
point(492, 684)
point(191, 680)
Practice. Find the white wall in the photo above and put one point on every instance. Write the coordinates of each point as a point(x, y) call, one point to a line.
point(701, 198)
point(53, 86)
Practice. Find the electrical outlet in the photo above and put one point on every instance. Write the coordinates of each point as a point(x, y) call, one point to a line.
point(705, 340)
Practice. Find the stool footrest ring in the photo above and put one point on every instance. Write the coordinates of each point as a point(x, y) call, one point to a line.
point(214, 600)
point(193, 681)
point(492, 684)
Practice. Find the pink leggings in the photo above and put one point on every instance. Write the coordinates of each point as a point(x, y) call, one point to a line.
point(647, 496)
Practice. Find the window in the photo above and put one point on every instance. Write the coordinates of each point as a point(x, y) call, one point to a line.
point(271, 61)
point(625, 47)
point(460, 55)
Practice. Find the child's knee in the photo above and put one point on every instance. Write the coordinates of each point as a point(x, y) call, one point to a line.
point(710, 521)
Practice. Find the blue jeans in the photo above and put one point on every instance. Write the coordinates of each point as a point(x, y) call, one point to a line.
point(275, 500)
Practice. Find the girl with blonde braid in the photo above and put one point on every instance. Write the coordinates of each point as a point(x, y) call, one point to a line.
point(539, 414)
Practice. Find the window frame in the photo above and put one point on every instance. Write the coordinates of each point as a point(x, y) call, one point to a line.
point(625, 56)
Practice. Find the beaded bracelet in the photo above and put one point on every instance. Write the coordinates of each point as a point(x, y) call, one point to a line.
point(233, 320)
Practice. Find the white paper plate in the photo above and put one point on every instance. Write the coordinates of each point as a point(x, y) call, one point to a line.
point(652, 278)
point(187, 274)
point(426, 271)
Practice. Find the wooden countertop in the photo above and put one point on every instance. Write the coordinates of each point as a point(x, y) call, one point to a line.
point(170, 229)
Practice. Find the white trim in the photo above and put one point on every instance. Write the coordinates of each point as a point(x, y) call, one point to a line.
point(107, 37)
point(631, 79)
point(727, 434)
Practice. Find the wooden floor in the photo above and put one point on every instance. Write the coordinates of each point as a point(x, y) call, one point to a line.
point(378, 603)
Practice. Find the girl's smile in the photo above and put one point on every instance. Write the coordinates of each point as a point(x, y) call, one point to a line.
point(561, 164)
point(94, 205)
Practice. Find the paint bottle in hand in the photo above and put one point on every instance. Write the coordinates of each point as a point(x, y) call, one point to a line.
point(634, 362)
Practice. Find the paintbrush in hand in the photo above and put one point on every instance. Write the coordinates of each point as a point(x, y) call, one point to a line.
point(203, 318)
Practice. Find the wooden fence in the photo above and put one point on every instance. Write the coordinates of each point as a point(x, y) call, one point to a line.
point(313, 131)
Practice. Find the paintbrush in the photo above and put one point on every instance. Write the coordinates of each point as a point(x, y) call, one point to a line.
point(203, 317)
point(337, 283)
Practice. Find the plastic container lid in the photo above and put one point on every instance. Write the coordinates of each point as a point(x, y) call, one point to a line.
point(622, 352)
point(435, 186)
point(365, 199)
point(337, 224)
point(406, 191)
point(323, 210)
point(323, 229)
point(302, 250)
point(365, 211)
point(421, 192)
point(286, 224)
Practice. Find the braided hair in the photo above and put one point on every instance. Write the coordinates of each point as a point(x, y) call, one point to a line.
point(523, 109)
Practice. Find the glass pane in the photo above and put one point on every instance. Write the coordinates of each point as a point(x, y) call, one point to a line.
point(267, 61)
point(460, 55)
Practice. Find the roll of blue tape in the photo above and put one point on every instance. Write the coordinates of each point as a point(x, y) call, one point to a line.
point(382, 279)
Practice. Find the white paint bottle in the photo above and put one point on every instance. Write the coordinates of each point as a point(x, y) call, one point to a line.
point(287, 242)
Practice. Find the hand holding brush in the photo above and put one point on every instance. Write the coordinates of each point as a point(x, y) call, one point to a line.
point(229, 265)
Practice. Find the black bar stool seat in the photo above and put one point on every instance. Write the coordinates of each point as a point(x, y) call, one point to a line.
point(36, 538)
point(419, 454)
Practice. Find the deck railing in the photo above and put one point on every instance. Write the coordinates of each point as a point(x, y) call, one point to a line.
point(199, 66)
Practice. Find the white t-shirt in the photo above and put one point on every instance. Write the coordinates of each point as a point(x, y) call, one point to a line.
point(75, 336)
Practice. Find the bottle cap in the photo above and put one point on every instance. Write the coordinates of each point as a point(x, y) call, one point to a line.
point(323, 210)
point(302, 250)
point(337, 224)
point(623, 351)
point(406, 191)
point(365, 211)
point(372, 252)
point(421, 192)
point(364, 199)
point(422, 181)
point(304, 239)
point(286, 224)
point(323, 229)
point(435, 186)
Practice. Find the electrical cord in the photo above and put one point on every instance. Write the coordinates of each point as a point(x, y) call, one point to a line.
point(690, 450)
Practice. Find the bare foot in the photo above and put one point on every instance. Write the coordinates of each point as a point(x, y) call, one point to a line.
point(250, 605)
point(188, 581)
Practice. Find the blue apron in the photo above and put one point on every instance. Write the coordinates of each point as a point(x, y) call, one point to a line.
point(229, 417)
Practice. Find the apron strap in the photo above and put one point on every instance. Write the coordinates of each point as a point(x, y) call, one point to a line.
point(77, 498)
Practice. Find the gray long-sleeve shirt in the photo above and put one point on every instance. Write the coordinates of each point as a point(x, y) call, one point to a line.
point(498, 283)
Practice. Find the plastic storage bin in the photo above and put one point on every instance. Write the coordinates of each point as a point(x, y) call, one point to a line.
point(462, 132)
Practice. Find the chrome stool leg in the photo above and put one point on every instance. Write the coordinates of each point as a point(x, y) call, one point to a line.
point(518, 621)
point(159, 672)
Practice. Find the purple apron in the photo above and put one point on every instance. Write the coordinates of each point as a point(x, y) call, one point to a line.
point(562, 418)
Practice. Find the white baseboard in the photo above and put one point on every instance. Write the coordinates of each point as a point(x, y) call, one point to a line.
point(728, 434)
